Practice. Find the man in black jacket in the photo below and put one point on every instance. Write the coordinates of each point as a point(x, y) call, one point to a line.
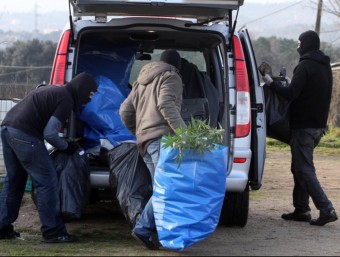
point(310, 92)
point(38, 117)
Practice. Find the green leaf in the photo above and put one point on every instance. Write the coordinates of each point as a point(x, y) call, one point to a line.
point(198, 137)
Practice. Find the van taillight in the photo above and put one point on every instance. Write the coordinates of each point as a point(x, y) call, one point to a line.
point(240, 160)
point(60, 60)
point(242, 89)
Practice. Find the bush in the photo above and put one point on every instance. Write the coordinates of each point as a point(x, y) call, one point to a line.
point(334, 112)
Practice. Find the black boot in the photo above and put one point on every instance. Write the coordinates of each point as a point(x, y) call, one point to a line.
point(297, 216)
point(325, 218)
point(9, 235)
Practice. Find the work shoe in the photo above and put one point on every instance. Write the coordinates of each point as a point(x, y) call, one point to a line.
point(146, 241)
point(66, 238)
point(325, 218)
point(297, 216)
point(9, 235)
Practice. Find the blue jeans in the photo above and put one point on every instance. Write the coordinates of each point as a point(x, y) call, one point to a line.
point(146, 224)
point(306, 183)
point(26, 155)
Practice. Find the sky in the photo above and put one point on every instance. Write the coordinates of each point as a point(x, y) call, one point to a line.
point(62, 5)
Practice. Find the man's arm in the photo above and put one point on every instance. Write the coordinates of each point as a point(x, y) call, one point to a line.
point(171, 90)
point(127, 114)
point(293, 90)
point(51, 134)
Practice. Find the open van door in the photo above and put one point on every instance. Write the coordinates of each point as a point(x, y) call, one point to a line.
point(198, 9)
point(258, 141)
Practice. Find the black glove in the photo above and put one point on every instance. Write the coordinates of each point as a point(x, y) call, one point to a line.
point(72, 147)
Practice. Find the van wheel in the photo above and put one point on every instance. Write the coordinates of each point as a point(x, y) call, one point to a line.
point(235, 209)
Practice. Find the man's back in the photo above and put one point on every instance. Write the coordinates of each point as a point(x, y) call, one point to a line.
point(313, 75)
point(154, 102)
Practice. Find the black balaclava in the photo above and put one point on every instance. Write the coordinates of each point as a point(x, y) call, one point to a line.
point(309, 41)
point(80, 87)
point(172, 57)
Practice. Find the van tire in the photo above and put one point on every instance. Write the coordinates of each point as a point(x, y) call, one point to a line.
point(235, 209)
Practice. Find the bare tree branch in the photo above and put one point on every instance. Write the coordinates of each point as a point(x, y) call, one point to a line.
point(329, 6)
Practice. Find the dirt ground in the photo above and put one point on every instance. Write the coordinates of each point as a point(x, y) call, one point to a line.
point(265, 234)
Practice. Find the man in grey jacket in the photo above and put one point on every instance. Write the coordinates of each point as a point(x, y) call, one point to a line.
point(152, 110)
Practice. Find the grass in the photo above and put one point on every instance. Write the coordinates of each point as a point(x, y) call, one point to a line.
point(98, 244)
point(103, 231)
point(329, 144)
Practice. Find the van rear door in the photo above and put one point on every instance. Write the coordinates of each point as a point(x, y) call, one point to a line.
point(258, 141)
point(198, 9)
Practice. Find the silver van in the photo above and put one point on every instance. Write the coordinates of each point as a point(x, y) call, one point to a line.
point(114, 38)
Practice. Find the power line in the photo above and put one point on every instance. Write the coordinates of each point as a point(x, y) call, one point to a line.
point(25, 67)
point(277, 11)
point(9, 84)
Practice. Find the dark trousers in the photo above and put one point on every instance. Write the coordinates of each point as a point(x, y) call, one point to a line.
point(306, 183)
point(26, 155)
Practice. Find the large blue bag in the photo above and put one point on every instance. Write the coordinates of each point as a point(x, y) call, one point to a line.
point(187, 200)
point(101, 115)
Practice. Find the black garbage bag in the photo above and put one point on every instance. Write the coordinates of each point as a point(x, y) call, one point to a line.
point(277, 115)
point(130, 180)
point(74, 183)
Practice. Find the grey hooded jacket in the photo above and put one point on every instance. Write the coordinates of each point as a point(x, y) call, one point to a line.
point(152, 109)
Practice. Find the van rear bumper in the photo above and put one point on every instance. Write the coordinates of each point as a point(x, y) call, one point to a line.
point(238, 178)
point(100, 179)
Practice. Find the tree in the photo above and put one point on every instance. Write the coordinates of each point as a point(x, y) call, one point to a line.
point(282, 53)
point(328, 6)
point(332, 7)
point(277, 52)
point(24, 65)
point(318, 17)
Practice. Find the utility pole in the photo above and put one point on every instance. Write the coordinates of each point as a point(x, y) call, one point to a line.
point(318, 17)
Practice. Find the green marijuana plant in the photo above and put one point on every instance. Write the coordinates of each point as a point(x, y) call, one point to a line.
point(198, 137)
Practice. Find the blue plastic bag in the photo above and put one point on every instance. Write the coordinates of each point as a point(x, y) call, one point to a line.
point(187, 201)
point(101, 115)
point(113, 61)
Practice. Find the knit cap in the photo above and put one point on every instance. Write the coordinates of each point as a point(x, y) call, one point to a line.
point(172, 57)
point(309, 41)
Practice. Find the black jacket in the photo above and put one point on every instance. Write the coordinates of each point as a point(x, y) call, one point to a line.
point(310, 91)
point(32, 113)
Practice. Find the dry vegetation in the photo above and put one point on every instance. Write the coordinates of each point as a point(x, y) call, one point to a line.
point(334, 114)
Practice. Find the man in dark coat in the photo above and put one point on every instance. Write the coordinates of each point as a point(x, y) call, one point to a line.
point(38, 117)
point(310, 92)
